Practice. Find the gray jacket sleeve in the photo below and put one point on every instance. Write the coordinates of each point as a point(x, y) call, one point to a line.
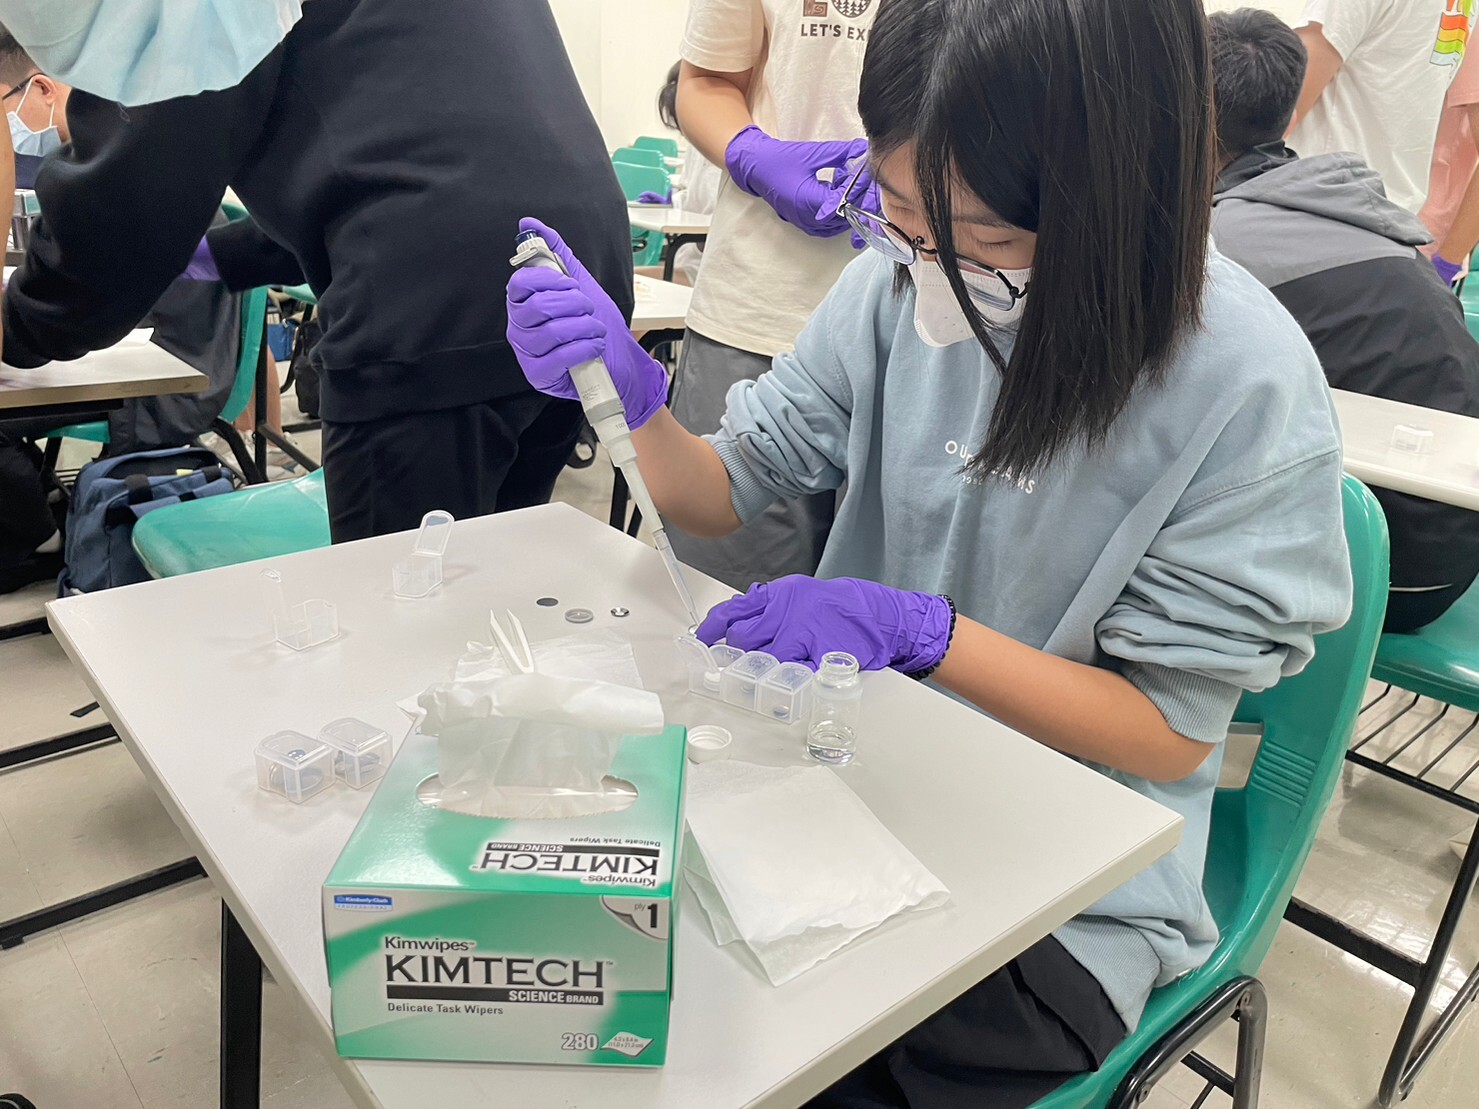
point(785, 434)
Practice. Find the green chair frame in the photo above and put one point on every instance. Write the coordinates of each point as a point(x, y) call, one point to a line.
point(639, 156)
point(667, 147)
point(1261, 835)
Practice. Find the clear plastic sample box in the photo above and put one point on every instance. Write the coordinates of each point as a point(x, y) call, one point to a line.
point(361, 751)
point(294, 765)
point(751, 680)
point(421, 572)
point(299, 626)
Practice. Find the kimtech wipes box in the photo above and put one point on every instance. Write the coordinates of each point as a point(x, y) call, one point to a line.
point(466, 938)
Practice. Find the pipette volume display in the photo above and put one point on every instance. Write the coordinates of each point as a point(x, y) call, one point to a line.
point(603, 408)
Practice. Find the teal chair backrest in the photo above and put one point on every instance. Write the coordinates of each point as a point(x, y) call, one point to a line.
point(1262, 832)
point(639, 156)
point(636, 179)
point(667, 147)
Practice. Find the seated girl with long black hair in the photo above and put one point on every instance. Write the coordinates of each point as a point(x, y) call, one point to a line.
point(1092, 479)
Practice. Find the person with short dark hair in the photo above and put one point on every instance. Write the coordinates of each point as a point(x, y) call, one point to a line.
point(1344, 260)
point(1092, 477)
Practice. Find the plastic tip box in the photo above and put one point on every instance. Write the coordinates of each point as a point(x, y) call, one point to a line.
point(751, 680)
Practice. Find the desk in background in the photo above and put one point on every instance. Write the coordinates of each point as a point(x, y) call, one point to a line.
point(96, 382)
point(674, 224)
point(1449, 472)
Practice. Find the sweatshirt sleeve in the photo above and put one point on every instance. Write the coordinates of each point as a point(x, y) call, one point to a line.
point(1231, 594)
point(784, 435)
point(122, 209)
point(247, 257)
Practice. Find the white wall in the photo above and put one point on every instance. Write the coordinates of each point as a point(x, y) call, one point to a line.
point(621, 50)
point(1287, 10)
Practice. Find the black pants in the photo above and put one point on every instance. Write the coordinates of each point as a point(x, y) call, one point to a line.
point(383, 475)
point(1407, 612)
point(1003, 1044)
point(26, 518)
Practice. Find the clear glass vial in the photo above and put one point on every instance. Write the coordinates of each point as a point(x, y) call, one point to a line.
point(836, 709)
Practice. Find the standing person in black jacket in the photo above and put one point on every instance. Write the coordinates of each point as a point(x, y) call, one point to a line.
point(386, 150)
point(1320, 233)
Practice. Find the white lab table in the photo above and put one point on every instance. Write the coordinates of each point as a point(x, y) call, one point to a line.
point(187, 671)
point(676, 225)
point(1449, 472)
point(96, 382)
point(659, 305)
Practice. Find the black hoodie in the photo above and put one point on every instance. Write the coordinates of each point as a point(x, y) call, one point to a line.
point(1322, 236)
point(386, 149)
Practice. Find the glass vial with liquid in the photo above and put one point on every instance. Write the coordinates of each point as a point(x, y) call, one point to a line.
point(836, 704)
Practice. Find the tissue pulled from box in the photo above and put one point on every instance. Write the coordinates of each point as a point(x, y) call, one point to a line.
point(533, 745)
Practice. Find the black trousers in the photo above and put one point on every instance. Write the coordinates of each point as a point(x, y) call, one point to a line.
point(26, 518)
point(1003, 1044)
point(383, 475)
point(1407, 612)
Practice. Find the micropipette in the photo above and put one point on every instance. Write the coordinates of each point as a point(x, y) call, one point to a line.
point(603, 408)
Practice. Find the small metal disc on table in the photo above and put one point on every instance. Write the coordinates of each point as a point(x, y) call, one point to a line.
point(579, 615)
point(619, 612)
point(547, 602)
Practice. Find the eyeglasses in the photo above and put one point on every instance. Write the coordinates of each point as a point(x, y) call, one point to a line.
point(886, 237)
point(18, 87)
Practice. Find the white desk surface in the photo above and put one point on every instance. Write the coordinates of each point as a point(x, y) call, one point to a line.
point(659, 304)
point(133, 368)
point(186, 670)
point(667, 220)
point(1449, 472)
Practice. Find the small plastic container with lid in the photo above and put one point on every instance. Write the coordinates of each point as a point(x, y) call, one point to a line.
point(1412, 439)
point(361, 751)
point(785, 693)
point(704, 664)
point(836, 710)
point(294, 765)
point(739, 684)
point(298, 626)
point(421, 572)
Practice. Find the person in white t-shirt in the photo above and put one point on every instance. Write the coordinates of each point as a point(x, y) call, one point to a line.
point(1378, 71)
point(768, 91)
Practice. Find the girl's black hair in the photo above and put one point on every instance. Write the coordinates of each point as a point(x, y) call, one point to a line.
point(1088, 122)
point(667, 99)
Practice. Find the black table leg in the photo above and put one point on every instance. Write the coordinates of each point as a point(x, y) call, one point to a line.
point(670, 251)
point(241, 1017)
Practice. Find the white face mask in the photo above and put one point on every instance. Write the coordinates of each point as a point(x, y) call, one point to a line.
point(938, 318)
point(144, 51)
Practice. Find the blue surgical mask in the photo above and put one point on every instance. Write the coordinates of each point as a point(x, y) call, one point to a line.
point(36, 143)
point(144, 51)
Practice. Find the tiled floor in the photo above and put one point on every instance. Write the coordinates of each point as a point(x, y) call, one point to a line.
point(120, 1009)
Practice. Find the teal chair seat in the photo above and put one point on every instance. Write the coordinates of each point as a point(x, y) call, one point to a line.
point(1440, 661)
point(1261, 835)
point(260, 521)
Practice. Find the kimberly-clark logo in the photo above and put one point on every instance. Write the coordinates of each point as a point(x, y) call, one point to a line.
point(363, 902)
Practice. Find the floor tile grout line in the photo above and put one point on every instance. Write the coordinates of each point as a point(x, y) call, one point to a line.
point(20, 858)
point(102, 1021)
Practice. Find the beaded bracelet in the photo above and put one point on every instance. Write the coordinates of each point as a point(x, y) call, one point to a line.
point(920, 675)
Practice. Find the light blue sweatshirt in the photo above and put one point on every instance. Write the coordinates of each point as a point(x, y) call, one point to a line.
point(1198, 551)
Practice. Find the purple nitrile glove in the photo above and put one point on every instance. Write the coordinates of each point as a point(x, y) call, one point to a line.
point(556, 322)
point(202, 264)
point(800, 619)
point(784, 175)
point(650, 197)
point(1447, 270)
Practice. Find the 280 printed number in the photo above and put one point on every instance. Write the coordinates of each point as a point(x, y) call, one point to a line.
point(578, 1041)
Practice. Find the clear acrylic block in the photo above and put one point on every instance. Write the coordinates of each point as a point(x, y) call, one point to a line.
point(361, 751)
point(753, 680)
point(294, 765)
point(785, 692)
point(1412, 439)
